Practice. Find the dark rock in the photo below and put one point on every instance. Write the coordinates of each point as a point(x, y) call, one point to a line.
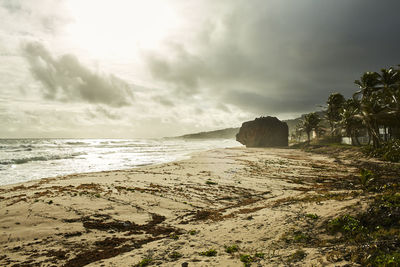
point(263, 132)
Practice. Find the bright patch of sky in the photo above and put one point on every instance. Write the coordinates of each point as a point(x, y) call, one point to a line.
point(102, 68)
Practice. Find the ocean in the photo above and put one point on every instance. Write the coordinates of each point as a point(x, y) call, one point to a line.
point(23, 160)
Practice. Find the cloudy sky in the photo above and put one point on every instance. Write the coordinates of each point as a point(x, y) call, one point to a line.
point(123, 69)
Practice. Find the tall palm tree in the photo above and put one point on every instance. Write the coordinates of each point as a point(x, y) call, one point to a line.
point(349, 120)
point(390, 82)
point(334, 106)
point(310, 122)
point(370, 98)
point(390, 79)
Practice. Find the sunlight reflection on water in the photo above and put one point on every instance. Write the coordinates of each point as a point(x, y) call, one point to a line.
point(29, 159)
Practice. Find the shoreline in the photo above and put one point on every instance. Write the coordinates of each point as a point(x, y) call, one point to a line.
point(179, 158)
point(171, 212)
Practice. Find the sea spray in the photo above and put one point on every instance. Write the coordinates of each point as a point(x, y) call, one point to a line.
point(29, 159)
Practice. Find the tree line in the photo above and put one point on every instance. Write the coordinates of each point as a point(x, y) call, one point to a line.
point(374, 107)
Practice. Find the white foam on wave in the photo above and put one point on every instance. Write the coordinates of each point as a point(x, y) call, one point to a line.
point(32, 159)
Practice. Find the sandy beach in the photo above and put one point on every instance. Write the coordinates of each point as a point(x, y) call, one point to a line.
point(254, 201)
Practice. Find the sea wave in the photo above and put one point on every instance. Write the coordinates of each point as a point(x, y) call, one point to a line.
point(19, 150)
point(76, 143)
point(28, 159)
point(38, 158)
point(11, 147)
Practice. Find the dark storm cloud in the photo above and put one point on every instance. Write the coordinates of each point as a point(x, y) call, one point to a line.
point(258, 103)
point(66, 79)
point(283, 56)
point(178, 71)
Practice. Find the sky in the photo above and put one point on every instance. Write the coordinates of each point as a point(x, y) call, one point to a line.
point(154, 68)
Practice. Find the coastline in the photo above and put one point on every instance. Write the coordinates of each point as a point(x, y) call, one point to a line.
point(172, 212)
point(23, 160)
point(69, 175)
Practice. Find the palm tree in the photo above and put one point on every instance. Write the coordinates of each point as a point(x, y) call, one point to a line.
point(390, 86)
point(299, 131)
point(370, 98)
point(334, 106)
point(379, 97)
point(310, 122)
point(349, 120)
point(390, 79)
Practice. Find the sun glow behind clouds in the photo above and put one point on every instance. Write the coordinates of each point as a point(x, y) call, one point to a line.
point(119, 28)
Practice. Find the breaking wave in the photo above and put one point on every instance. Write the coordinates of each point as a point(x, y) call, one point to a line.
point(37, 158)
point(29, 159)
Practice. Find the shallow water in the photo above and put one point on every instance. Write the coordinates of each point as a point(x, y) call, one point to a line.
point(29, 159)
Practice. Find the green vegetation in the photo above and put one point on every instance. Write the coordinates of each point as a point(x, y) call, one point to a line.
point(209, 253)
point(347, 225)
point(229, 133)
point(301, 237)
point(375, 233)
point(174, 236)
point(378, 99)
point(175, 255)
point(388, 151)
point(372, 111)
point(386, 260)
point(144, 262)
point(391, 200)
point(296, 237)
point(312, 216)
point(246, 259)
point(334, 107)
point(231, 249)
point(210, 182)
point(371, 115)
point(193, 232)
point(349, 120)
point(310, 122)
point(259, 255)
point(366, 178)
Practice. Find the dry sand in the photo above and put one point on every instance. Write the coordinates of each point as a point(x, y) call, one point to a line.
point(256, 199)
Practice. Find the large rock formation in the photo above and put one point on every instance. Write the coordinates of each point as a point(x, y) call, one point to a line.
point(263, 132)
